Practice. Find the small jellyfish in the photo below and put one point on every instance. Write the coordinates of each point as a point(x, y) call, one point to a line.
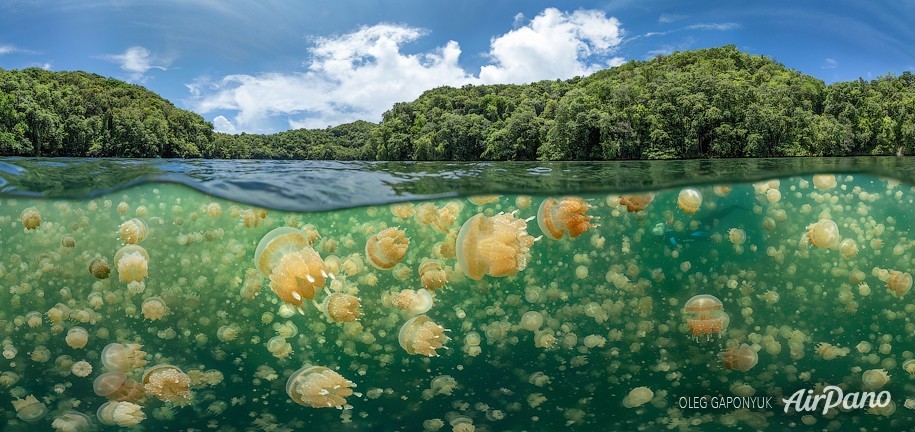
point(117, 386)
point(319, 387)
point(689, 200)
point(154, 308)
point(132, 262)
point(483, 199)
point(293, 267)
point(339, 307)
point(420, 335)
point(823, 234)
point(123, 414)
point(824, 182)
point(496, 246)
point(133, 231)
point(77, 337)
point(737, 236)
point(122, 358)
point(741, 358)
point(636, 202)
point(874, 379)
point(30, 218)
point(848, 248)
point(72, 421)
point(386, 248)
point(705, 316)
point(81, 369)
point(432, 274)
point(909, 366)
point(99, 268)
point(638, 397)
point(899, 283)
point(413, 302)
point(168, 383)
point(830, 352)
point(560, 217)
point(29, 409)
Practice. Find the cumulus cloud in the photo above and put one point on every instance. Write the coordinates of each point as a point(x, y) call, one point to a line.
point(136, 61)
point(361, 74)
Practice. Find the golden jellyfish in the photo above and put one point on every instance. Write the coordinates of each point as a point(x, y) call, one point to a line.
point(402, 210)
point(909, 366)
point(122, 358)
point(636, 202)
point(824, 182)
point(293, 267)
point(77, 337)
point(638, 397)
point(117, 386)
point(496, 246)
point(560, 217)
point(81, 369)
point(483, 199)
point(848, 248)
point(823, 234)
point(72, 421)
point(830, 352)
point(154, 308)
point(132, 262)
point(29, 409)
point(319, 387)
point(705, 316)
point(99, 268)
point(737, 236)
point(432, 274)
point(340, 307)
point(689, 200)
point(386, 248)
point(413, 302)
point(133, 231)
point(168, 383)
point(874, 379)
point(741, 358)
point(30, 218)
point(123, 414)
point(899, 283)
point(420, 335)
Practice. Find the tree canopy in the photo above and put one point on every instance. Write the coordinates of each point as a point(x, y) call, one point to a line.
point(717, 102)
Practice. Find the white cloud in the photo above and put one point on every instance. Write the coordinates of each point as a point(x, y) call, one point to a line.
point(7, 49)
point(714, 26)
point(136, 61)
point(830, 63)
point(222, 124)
point(554, 45)
point(359, 75)
point(669, 18)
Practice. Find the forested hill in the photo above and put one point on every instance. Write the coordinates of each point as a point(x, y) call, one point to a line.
point(715, 102)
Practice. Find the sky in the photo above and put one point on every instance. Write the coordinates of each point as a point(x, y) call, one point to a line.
point(268, 66)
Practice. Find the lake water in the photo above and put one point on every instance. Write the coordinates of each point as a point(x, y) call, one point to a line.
point(134, 292)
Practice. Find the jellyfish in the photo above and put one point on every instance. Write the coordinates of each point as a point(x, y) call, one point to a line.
point(29, 409)
point(638, 397)
point(123, 414)
point(77, 337)
point(340, 307)
point(483, 199)
point(689, 200)
point(848, 248)
point(154, 308)
point(874, 379)
point(531, 321)
point(122, 358)
point(132, 262)
point(824, 182)
point(413, 302)
point(117, 386)
point(293, 267)
point(497, 246)
point(134, 231)
point(558, 218)
point(420, 335)
point(737, 236)
point(830, 352)
point(386, 248)
point(81, 369)
point(30, 218)
point(741, 358)
point(99, 268)
point(72, 421)
point(909, 366)
point(823, 234)
point(319, 387)
point(705, 316)
point(899, 283)
point(636, 202)
point(432, 274)
point(168, 383)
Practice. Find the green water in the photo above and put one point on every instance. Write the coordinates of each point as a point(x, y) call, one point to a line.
point(611, 300)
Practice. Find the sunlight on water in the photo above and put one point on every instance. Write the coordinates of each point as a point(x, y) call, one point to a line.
point(458, 315)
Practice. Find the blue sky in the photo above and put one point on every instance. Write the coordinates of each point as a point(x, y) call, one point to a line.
point(268, 66)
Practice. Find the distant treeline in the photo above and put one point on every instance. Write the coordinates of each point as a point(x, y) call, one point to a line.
point(715, 102)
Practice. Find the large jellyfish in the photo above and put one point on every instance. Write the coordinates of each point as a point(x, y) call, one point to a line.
point(705, 316)
point(496, 246)
point(132, 262)
point(168, 383)
point(319, 387)
point(420, 335)
point(386, 248)
point(293, 267)
point(560, 217)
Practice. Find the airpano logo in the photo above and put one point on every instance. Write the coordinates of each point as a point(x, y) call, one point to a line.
point(834, 397)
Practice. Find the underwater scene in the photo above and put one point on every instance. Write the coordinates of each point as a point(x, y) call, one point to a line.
point(778, 304)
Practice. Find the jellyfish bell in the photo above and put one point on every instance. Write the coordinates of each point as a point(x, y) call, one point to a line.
point(848, 248)
point(741, 358)
point(386, 248)
point(77, 337)
point(99, 268)
point(566, 216)
point(898, 283)
point(29, 409)
point(154, 308)
point(319, 387)
point(340, 307)
point(689, 200)
point(823, 234)
point(638, 397)
point(874, 379)
point(168, 383)
point(824, 182)
point(432, 274)
point(483, 199)
point(413, 302)
point(737, 236)
point(294, 268)
point(133, 231)
point(132, 262)
point(117, 386)
point(496, 246)
point(72, 421)
point(119, 413)
point(30, 218)
point(705, 316)
point(421, 336)
point(636, 202)
point(117, 357)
